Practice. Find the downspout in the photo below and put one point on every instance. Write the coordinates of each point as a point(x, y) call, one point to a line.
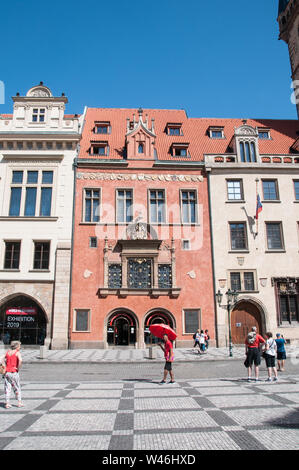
point(75, 166)
point(208, 170)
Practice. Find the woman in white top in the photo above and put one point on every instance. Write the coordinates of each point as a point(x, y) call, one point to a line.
point(270, 355)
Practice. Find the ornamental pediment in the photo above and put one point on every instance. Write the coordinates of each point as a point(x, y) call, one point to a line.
point(246, 130)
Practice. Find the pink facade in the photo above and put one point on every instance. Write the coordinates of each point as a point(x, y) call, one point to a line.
point(141, 250)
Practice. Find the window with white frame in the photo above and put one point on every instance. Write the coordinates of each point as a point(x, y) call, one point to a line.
point(235, 190)
point(38, 115)
point(157, 205)
point(124, 205)
point(264, 134)
point(91, 205)
point(188, 206)
point(31, 193)
point(216, 132)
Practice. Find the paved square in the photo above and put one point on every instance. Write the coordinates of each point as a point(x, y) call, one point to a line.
point(144, 415)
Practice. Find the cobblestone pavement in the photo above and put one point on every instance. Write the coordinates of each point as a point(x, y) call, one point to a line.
point(136, 355)
point(220, 414)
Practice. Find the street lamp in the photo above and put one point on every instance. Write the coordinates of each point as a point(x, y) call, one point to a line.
point(232, 297)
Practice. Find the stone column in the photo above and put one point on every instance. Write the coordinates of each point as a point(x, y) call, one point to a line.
point(61, 297)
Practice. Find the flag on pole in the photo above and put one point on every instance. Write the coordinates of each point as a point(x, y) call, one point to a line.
point(259, 206)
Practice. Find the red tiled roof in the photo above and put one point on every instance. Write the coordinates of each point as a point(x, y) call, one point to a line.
point(283, 133)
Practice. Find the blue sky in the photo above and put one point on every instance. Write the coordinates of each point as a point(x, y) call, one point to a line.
point(213, 59)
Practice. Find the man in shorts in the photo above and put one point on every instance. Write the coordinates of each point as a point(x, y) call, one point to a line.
point(253, 343)
point(169, 356)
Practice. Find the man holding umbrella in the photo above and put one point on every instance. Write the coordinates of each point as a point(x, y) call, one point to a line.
point(169, 356)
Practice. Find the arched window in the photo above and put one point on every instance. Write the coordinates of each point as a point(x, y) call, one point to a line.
point(140, 148)
point(253, 152)
point(248, 152)
point(242, 151)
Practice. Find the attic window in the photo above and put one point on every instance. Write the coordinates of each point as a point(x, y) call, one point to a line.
point(99, 148)
point(264, 134)
point(180, 150)
point(216, 132)
point(102, 128)
point(174, 129)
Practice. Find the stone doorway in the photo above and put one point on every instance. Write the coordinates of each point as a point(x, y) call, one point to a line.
point(244, 316)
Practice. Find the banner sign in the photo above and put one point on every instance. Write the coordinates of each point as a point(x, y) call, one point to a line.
point(22, 311)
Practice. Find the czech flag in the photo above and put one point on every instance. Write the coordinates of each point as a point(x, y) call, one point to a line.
point(259, 207)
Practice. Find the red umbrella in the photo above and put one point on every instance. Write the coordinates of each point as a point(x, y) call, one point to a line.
point(160, 329)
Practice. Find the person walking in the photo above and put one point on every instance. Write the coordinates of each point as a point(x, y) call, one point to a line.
point(270, 353)
point(207, 338)
point(253, 343)
point(281, 352)
point(169, 358)
point(196, 337)
point(13, 362)
point(202, 342)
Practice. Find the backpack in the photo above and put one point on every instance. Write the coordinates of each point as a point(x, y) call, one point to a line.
point(251, 337)
point(194, 336)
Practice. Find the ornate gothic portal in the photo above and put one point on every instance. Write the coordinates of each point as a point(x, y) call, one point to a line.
point(22, 319)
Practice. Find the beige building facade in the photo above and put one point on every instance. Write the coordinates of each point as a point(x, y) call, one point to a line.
point(256, 253)
point(38, 144)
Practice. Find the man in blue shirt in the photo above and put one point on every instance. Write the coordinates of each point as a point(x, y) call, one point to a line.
point(281, 352)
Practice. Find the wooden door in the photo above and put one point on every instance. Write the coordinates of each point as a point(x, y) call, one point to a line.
point(243, 318)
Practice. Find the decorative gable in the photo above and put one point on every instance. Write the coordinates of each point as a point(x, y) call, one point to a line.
point(140, 138)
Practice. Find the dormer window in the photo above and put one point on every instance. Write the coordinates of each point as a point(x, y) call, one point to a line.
point(102, 128)
point(216, 132)
point(264, 134)
point(247, 152)
point(180, 150)
point(99, 148)
point(38, 115)
point(246, 143)
point(174, 129)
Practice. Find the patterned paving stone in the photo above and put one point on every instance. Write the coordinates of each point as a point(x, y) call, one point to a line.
point(78, 442)
point(193, 441)
point(143, 415)
point(173, 420)
point(78, 422)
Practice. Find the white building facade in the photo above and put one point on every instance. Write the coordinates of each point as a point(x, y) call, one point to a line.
point(38, 144)
point(256, 253)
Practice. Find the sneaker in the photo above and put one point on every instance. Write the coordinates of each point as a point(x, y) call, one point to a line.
point(172, 382)
point(269, 379)
point(162, 382)
point(275, 379)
